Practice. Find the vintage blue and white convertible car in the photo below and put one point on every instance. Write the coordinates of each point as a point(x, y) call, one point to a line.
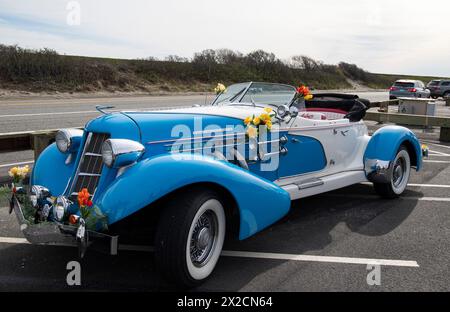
point(191, 175)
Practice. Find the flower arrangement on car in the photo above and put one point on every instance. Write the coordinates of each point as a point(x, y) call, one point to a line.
point(304, 93)
point(43, 208)
point(220, 88)
point(254, 123)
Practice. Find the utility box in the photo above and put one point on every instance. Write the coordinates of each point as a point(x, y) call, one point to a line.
point(414, 106)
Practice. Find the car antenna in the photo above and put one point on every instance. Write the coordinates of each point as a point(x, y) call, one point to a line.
point(101, 108)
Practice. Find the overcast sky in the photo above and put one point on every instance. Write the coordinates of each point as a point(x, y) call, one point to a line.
point(385, 36)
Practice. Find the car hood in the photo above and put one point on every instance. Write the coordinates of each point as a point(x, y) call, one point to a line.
point(175, 123)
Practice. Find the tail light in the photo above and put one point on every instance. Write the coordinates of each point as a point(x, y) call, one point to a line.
point(393, 88)
point(412, 90)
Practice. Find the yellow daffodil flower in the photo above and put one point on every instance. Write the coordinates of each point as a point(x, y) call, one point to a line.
point(256, 121)
point(12, 172)
point(220, 88)
point(265, 117)
point(252, 132)
point(247, 120)
point(268, 110)
point(308, 97)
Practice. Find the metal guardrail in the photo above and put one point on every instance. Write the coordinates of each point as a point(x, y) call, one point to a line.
point(39, 140)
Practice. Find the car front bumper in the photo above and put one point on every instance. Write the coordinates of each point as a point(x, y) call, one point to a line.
point(52, 233)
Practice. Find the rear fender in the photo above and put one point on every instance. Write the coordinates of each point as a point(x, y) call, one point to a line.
point(384, 145)
point(260, 202)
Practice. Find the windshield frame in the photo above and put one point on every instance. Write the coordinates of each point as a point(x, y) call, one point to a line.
point(243, 93)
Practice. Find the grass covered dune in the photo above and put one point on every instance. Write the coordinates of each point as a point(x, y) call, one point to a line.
point(47, 71)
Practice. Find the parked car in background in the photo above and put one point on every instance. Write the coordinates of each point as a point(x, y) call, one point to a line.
point(409, 88)
point(439, 88)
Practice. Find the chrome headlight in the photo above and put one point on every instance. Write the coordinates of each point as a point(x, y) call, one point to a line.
point(118, 153)
point(38, 194)
point(68, 140)
point(283, 111)
point(60, 209)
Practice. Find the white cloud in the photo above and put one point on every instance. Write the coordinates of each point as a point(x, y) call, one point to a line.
point(403, 36)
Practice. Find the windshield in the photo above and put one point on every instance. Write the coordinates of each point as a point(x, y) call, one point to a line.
point(230, 93)
point(257, 93)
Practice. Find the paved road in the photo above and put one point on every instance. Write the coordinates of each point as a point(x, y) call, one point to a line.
point(349, 224)
point(26, 115)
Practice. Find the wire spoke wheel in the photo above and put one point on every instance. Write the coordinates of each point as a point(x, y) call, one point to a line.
point(203, 238)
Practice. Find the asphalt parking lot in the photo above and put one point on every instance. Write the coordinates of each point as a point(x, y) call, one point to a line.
point(323, 244)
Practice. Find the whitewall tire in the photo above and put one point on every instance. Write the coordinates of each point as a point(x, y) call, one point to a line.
point(189, 236)
point(401, 171)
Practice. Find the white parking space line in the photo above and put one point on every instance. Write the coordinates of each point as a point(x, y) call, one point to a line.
point(369, 196)
point(437, 161)
point(440, 145)
point(13, 240)
point(436, 153)
point(17, 164)
point(309, 258)
point(265, 255)
point(418, 185)
point(429, 185)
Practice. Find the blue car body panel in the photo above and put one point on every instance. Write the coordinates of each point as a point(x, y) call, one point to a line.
point(51, 171)
point(385, 143)
point(305, 155)
point(260, 202)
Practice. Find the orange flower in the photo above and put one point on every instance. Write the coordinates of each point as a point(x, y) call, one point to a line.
point(83, 198)
point(303, 90)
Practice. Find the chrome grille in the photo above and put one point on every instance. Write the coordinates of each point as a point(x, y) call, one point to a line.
point(91, 164)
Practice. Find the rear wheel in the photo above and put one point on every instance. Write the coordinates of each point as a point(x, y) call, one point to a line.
point(190, 236)
point(399, 178)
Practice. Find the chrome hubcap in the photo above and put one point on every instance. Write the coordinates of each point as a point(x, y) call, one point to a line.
point(398, 173)
point(203, 238)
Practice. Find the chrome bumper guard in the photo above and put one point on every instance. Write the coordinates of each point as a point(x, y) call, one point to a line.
point(378, 171)
point(52, 233)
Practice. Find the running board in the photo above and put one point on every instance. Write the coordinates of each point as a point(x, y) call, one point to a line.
point(314, 186)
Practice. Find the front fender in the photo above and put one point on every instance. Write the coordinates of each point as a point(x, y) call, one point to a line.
point(51, 171)
point(260, 202)
point(385, 143)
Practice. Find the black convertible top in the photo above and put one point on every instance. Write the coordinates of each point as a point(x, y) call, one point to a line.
point(351, 103)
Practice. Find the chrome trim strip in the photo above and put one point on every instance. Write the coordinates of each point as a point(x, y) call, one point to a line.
point(93, 154)
point(213, 146)
point(310, 128)
point(213, 131)
point(309, 184)
point(84, 174)
point(199, 138)
point(86, 143)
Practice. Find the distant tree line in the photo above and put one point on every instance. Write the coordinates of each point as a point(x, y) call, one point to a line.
point(45, 69)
